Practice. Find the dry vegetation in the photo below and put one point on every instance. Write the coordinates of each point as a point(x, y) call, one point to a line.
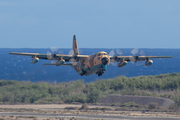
point(130, 110)
point(14, 92)
point(35, 118)
point(77, 92)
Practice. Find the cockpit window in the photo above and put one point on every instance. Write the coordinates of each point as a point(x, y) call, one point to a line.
point(102, 54)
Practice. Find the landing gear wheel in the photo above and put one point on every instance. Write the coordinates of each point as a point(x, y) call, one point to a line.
point(99, 74)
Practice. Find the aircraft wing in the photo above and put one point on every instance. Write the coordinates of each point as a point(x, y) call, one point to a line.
point(137, 58)
point(65, 64)
point(50, 56)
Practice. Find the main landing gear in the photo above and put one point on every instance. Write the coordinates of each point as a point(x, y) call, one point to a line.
point(100, 72)
point(83, 72)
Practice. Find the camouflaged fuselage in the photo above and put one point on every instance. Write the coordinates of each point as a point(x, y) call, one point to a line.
point(91, 64)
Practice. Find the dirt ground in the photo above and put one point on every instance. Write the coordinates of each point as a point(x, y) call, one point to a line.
point(59, 110)
point(53, 106)
point(33, 118)
point(47, 106)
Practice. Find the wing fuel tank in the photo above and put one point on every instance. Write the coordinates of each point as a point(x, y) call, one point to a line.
point(121, 64)
point(61, 62)
point(34, 60)
point(148, 63)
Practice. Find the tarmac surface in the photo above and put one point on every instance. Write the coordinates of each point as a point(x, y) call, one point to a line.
point(108, 117)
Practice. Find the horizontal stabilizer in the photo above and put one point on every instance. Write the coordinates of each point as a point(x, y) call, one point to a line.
point(65, 64)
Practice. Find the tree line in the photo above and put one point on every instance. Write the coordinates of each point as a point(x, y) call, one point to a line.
point(12, 91)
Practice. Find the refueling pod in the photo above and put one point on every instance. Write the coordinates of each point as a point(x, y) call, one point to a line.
point(34, 60)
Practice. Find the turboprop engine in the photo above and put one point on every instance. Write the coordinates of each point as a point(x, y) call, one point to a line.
point(60, 62)
point(148, 63)
point(123, 63)
point(34, 60)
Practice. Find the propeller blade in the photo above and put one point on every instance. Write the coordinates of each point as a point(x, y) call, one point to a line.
point(119, 52)
point(73, 60)
point(49, 55)
point(52, 55)
point(60, 52)
point(111, 53)
point(134, 51)
point(70, 52)
point(80, 51)
point(132, 59)
point(142, 53)
point(139, 63)
point(54, 49)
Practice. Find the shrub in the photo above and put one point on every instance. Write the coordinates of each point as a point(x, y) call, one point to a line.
point(116, 104)
point(93, 96)
point(84, 106)
point(153, 105)
point(176, 98)
point(129, 104)
point(173, 107)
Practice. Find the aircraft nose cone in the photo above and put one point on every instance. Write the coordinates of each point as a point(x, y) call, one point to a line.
point(104, 60)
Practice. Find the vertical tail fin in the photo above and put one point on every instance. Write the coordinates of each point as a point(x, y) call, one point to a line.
point(75, 46)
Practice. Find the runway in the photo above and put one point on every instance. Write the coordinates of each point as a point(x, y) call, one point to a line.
point(108, 117)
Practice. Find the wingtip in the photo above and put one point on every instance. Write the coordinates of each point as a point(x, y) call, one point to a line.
point(13, 53)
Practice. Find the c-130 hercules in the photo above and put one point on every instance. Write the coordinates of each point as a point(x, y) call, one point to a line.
point(89, 64)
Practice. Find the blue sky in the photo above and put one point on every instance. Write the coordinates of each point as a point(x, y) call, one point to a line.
point(96, 23)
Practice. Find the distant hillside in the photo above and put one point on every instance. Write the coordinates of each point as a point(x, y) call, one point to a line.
point(166, 86)
point(140, 100)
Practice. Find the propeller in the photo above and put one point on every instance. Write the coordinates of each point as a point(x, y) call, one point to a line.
point(74, 60)
point(135, 57)
point(124, 70)
point(114, 55)
point(54, 49)
point(71, 52)
point(52, 55)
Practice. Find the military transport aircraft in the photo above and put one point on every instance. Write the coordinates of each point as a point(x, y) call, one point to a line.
point(89, 64)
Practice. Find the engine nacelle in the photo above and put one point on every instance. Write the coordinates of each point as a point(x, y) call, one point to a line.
point(34, 60)
point(60, 62)
point(121, 64)
point(148, 63)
